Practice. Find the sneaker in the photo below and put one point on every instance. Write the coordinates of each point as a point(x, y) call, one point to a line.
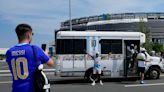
point(142, 82)
point(93, 83)
point(101, 82)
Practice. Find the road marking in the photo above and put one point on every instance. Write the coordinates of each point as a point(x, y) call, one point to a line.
point(44, 70)
point(162, 75)
point(4, 71)
point(49, 73)
point(142, 85)
point(49, 70)
point(9, 74)
point(4, 66)
point(5, 75)
point(5, 82)
point(3, 61)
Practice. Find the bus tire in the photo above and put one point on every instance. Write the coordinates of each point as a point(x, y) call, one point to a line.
point(154, 73)
point(89, 75)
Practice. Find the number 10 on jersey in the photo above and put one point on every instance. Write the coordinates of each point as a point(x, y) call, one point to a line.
point(16, 68)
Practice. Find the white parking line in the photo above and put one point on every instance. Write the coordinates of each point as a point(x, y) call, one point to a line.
point(4, 71)
point(162, 75)
point(142, 85)
point(5, 82)
point(5, 75)
point(4, 67)
point(2, 61)
point(44, 70)
point(9, 74)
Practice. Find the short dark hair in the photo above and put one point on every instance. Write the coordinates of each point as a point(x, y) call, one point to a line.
point(21, 29)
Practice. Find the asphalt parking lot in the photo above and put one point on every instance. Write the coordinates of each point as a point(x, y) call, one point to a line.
point(71, 84)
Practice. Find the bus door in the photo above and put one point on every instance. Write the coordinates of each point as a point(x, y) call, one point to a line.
point(131, 48)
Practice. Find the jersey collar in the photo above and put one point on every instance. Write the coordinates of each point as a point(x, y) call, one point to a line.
point(20, 44)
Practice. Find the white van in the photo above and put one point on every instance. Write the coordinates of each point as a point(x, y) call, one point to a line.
point(71, 60)
point(154, 67)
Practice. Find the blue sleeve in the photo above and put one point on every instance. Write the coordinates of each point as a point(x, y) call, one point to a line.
point(41, 55)
point(7, 56)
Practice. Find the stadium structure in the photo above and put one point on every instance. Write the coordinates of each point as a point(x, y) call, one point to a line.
point(154, 22)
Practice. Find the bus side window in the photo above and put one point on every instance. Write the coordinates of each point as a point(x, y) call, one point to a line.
point(109, 45)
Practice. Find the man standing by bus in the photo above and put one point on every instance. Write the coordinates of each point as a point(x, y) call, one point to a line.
point(97, 67)
point(130, 52)
point(141, 57)
point(21, 60)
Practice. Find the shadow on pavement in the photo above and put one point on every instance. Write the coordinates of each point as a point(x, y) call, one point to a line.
point(84, 82)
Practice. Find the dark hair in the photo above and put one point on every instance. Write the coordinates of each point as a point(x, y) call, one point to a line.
point(21, 29)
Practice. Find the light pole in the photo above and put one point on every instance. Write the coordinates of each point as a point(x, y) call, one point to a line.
point(70, 19)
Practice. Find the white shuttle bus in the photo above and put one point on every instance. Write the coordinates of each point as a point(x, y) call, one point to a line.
point(72, 60)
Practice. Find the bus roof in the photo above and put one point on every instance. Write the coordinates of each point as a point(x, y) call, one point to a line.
point(98, 33)
point(111, 35)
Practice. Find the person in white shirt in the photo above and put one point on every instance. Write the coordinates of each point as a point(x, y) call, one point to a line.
point(130, 52)
point(97, 67)
point(141, 58)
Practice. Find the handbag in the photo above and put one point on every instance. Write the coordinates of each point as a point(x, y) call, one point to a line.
point(41, 82)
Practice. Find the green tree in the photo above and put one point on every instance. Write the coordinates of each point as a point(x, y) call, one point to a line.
point(158, 47)
point(149, 45)
point(143, 28)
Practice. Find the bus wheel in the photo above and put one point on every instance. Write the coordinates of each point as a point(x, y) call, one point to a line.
point(154, 73)
point(90, 76)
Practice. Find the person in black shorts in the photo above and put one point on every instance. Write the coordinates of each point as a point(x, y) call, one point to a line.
point(141, 58)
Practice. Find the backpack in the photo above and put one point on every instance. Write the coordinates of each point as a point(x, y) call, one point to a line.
point(41, 83)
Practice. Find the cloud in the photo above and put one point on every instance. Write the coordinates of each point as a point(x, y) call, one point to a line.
point(122, 6)
point(45, 15)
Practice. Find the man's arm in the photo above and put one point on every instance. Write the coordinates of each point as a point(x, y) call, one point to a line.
point(88, 54)
point(109, 54)
point(50, 61)
point(146, 60)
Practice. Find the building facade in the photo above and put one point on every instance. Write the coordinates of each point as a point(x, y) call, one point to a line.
point(154, 23)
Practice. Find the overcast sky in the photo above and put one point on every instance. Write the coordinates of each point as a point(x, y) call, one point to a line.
point(45, 15)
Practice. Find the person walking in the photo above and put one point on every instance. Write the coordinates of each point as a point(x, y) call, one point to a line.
point(21, 61)
point(141, 58)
